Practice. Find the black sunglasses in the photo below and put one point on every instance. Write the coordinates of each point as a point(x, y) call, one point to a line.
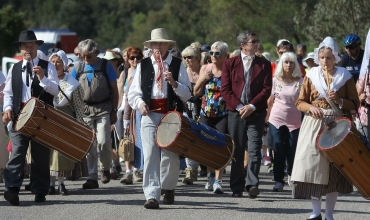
point(138, 57)
point(188, 57)
point(253, 41)
point(215, 53)
point(351, 47)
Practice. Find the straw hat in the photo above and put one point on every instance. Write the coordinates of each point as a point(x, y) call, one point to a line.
point(159, 35)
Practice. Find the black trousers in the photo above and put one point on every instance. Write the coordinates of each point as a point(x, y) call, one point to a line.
point(247, 135)
point(40, 165)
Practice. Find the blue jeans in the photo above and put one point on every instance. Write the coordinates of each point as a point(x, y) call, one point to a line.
point(284, 144)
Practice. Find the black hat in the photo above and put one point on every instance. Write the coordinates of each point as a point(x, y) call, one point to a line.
point(205, 48)
point(25, 37)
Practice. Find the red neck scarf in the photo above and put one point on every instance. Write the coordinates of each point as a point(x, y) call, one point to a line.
point(161, 69)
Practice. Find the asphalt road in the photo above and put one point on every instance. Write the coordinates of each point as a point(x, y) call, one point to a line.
point(116, 201)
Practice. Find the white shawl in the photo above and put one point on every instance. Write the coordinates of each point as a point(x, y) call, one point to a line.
point(317, 78)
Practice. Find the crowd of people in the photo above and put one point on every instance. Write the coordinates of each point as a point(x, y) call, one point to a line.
point(282, 105)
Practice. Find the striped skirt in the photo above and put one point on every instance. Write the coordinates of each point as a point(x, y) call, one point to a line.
point(337, 183)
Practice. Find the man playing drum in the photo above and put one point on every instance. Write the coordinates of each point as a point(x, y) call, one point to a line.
point(31, 77)
point(160, 84)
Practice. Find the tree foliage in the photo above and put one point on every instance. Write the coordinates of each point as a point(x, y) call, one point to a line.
point(123, 23)
point(11, 24)
point(335, 18)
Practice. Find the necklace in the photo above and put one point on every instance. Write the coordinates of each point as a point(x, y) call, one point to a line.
point(61, 76)
point(194, 75)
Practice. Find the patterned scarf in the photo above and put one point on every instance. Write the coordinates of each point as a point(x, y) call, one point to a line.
point(161, 69)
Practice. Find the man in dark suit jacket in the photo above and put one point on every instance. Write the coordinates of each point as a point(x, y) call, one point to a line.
point(246, 86)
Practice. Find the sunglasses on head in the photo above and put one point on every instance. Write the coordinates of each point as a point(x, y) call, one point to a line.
point(351, 47)
point(187, 57)
point(215, 53)
point(138, 57)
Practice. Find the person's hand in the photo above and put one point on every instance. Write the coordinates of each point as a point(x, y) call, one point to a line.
point(144, 109)
point(169, 78)
point(8, 116)
point(362, 97)
point(245, 111)
point(316, 112)
point(208, 76)
point(39, 72)
point(113, 117)
point(334, 97)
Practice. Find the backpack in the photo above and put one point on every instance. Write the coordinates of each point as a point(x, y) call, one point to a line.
point(103, 68)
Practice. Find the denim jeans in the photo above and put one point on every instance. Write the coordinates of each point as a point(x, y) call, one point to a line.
point(284, 144)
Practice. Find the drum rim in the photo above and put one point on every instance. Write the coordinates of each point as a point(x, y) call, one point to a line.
point(160, 121)
point(33, 99)
point(318, 136)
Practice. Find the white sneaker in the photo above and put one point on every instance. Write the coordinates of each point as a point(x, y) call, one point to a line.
point(278, 187)
point(209, 184)
point(217, 188)
point(290, 181)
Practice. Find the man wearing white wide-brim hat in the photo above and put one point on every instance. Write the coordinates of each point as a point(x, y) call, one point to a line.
point(160, 84)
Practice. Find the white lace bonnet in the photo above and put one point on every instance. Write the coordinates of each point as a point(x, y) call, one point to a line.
point(328, 42)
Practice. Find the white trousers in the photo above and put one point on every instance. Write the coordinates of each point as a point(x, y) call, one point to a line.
point(161, 171)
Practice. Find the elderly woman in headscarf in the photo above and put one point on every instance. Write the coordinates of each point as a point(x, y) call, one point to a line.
point(73, 106)
point(326, 91)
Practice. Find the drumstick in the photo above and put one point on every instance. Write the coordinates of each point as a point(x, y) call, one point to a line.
point(155, 110)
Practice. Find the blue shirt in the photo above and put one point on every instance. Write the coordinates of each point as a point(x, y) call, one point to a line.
point(112, 76)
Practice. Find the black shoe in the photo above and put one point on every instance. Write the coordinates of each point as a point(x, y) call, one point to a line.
point(105, 176)
point(316, 218)
point(237, 195)
point(62, 190)
point(51, 190)
point(151, 204)
point(27, 187)
point(40, 198)
point(11, 197)
point(253, 192)
point(90, 184)
point(169, 197)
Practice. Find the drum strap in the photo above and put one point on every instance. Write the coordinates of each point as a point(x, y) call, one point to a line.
point(69, 101)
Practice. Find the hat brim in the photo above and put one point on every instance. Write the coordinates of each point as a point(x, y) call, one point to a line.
point(16, 44)
point(172, 43)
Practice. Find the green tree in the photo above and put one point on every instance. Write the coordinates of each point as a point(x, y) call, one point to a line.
point(335, 18)
point(11, 24)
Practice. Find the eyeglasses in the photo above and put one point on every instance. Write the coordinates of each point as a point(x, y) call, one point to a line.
point(188, 57)
point(351, 47)
point(281, 52)
point(86, 56)
point(138, 57)
point(289, 62)
point(252, 42)
point(215, 53)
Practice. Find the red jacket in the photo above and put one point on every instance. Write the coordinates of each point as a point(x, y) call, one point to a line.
point(232, 82)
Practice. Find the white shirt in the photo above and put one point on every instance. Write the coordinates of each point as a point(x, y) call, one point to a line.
point(50, 84)
point(247, 62)
point(135, 93)
point(246, 65)
point(2, 78)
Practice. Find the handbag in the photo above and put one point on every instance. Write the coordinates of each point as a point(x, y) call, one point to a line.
point(126, 149)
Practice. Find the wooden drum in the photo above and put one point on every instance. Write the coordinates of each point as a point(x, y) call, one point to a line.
point(196, 141)
point(349, 152)
point(55, 129)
